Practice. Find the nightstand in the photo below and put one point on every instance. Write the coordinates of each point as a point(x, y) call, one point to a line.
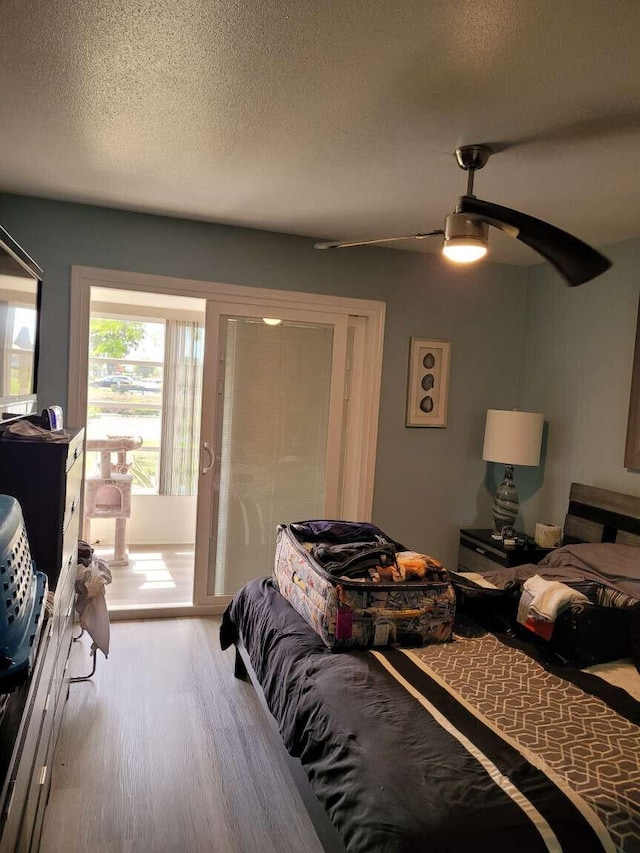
point(478, 552)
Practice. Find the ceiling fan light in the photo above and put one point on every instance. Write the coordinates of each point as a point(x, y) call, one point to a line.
point(465, 239)
point(464, 251)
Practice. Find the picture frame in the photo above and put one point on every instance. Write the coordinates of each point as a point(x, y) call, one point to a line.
point(428, 382)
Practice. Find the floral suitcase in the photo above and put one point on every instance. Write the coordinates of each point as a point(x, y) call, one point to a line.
point(368, 599)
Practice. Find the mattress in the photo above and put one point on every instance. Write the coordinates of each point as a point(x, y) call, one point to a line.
point(470, 745)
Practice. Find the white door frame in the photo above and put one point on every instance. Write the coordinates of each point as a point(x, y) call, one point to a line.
point(84, 278)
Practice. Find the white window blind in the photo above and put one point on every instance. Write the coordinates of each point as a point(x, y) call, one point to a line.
point(273, 445)
point(181, 403)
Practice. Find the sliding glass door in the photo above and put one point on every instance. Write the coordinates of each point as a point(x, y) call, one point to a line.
point(273, 435)
point(283, 426)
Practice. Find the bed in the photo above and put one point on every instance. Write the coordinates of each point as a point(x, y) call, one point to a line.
point(479, 744)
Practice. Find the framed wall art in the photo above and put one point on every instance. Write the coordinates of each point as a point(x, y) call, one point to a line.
point(428, 383)
point(632, 447)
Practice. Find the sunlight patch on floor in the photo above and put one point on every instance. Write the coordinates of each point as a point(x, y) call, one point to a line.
point(141, 556)
point(153, 574)
point(156, 575)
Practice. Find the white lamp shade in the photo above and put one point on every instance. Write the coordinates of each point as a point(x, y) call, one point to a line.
point(512, 437)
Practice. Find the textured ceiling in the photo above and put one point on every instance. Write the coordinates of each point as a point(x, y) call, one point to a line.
point(327, 118)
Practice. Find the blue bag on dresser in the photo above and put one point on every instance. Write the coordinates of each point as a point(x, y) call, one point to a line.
point(358, 588)
point(23, 593)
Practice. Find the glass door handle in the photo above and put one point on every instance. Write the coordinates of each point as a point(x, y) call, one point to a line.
point(209, 451)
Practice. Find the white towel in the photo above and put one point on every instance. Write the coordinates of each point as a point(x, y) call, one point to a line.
point(91, 603)
point(543, 600)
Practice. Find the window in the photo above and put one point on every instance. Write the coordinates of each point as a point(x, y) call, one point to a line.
point(145, 378)
point(17, 351)
point(126, 373)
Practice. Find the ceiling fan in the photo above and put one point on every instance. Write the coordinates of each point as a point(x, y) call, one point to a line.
point(466, 230)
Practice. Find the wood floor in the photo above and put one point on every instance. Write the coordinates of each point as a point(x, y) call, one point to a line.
point(157, 575)
point(164, 750)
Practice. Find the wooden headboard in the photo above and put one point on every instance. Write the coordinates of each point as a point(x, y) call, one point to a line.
point(598, 515)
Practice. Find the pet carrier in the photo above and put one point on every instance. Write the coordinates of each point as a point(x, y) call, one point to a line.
point(23, 592)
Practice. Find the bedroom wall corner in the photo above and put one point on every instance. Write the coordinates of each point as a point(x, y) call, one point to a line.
point(578, 356)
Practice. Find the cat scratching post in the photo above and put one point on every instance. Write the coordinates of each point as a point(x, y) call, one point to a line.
point(108, 495)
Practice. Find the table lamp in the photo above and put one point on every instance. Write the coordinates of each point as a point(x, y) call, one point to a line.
point(513, 438)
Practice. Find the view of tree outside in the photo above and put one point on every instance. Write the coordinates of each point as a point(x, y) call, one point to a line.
point(114, 338)
point(125, 390)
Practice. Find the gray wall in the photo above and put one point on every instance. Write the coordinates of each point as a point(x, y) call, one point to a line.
point(428, 481)
point(577, 365)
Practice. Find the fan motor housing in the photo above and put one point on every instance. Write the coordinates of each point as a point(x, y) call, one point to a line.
point(472, 156)
point(462, 225)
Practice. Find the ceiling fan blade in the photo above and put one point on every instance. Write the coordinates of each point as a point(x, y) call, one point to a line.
point(379, 240)
point(576, 261)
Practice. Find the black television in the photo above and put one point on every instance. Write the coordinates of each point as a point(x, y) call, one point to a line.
point(20, 295)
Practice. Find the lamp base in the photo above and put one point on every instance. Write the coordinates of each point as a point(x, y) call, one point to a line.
point(505, 502)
